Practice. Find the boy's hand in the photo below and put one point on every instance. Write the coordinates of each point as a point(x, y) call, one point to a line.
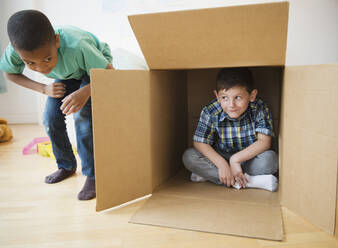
point(237, 172)
point(75, 101)
point(225, 175)
point(55, 90)
point(109, 66)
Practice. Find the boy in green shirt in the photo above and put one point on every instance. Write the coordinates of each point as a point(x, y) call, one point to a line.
point(66, 54)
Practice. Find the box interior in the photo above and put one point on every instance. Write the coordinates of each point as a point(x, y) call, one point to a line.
point(149, 112)
point(167, 206)
point(161, 113)
point(181, 204)
point(177, 98)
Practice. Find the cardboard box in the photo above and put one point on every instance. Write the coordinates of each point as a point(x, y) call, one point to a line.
point(144, 120)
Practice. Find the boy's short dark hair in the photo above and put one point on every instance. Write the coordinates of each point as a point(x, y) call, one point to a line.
point(231, 77)
point(29, 30)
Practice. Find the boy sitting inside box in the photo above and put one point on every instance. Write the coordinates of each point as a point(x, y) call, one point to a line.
point(234, 135)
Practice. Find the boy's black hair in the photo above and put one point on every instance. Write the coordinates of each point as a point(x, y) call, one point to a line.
point(29, 30)
point(231, 77)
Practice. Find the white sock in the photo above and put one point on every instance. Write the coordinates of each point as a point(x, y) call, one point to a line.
point(267, 182)
point(196, 178)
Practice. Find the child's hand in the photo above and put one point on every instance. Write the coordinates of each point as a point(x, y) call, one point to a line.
point(109, 66)
point(56, 90)
point(75, 101)
point(225, 175)
point(237, 172)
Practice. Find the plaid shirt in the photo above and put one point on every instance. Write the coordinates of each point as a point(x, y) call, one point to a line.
point(226, 134)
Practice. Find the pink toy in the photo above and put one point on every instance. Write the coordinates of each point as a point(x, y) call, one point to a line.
point(28, 148)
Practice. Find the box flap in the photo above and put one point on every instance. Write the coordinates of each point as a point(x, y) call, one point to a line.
point(210, 208)
point(250, 35)
point(121, 126)
point(309, 143)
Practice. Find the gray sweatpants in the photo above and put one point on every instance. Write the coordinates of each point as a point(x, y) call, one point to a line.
point(263, 164)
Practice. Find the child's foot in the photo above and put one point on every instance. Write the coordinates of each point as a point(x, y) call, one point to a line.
point(267, 182)
point(59, 175)
point(88, 191)
point(196, 178)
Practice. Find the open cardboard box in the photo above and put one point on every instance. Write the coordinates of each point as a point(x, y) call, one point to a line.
point(144, 120)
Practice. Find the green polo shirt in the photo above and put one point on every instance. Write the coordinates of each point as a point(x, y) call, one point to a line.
point(79, 52)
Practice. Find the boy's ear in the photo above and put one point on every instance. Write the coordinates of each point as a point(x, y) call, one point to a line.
point(215, 92)
point(253, 95)
point(57, 40)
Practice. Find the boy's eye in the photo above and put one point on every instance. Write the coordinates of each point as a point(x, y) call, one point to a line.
point(30, 63)
point(238, 97)
point(47, 59)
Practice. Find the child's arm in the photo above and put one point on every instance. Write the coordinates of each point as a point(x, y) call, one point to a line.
point(55, 90)
point(262, 144)
point(225, 175)
point(75, 101)
point(109, 66)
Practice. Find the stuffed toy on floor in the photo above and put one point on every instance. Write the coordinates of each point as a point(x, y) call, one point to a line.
point(5, 131)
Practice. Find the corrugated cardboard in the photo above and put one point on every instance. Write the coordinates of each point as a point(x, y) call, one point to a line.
point(168, 111)
point(221, 205)
point(181, 204)
point(142, 120)
point(121, 144)
point(132, 113)
point(309, 138)
point(220, 37)
point(142, 147)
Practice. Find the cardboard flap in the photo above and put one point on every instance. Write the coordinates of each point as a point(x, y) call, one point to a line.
point(210, 38)
point(121, 126)
point(309, 143)
point(207, 207)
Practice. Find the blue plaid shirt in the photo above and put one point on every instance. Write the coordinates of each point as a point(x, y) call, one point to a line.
point(226, 134)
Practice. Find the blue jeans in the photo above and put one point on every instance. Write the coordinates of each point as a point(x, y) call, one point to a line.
point(196, 162)
point(54, 122)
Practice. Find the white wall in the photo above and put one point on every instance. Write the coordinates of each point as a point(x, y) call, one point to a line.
point(312, 37)
point(18, 105)
point(313, 32)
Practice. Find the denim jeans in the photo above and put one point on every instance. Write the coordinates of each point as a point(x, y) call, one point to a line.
point(54, 122)
point(262, 164)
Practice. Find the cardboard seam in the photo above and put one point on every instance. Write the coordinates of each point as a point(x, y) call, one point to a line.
point(278, 238)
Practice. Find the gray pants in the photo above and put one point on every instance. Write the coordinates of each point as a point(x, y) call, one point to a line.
point(263, 164)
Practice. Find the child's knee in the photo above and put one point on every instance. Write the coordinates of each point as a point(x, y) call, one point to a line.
point(188, 158)
point(52, 115)
point(51, 121)
point(270, 161)
point(263, 164)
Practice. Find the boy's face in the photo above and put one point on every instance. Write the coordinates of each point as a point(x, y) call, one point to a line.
point(235, 100)
point(42, 59)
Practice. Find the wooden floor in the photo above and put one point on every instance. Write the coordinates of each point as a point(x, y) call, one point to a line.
point(34, 214)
